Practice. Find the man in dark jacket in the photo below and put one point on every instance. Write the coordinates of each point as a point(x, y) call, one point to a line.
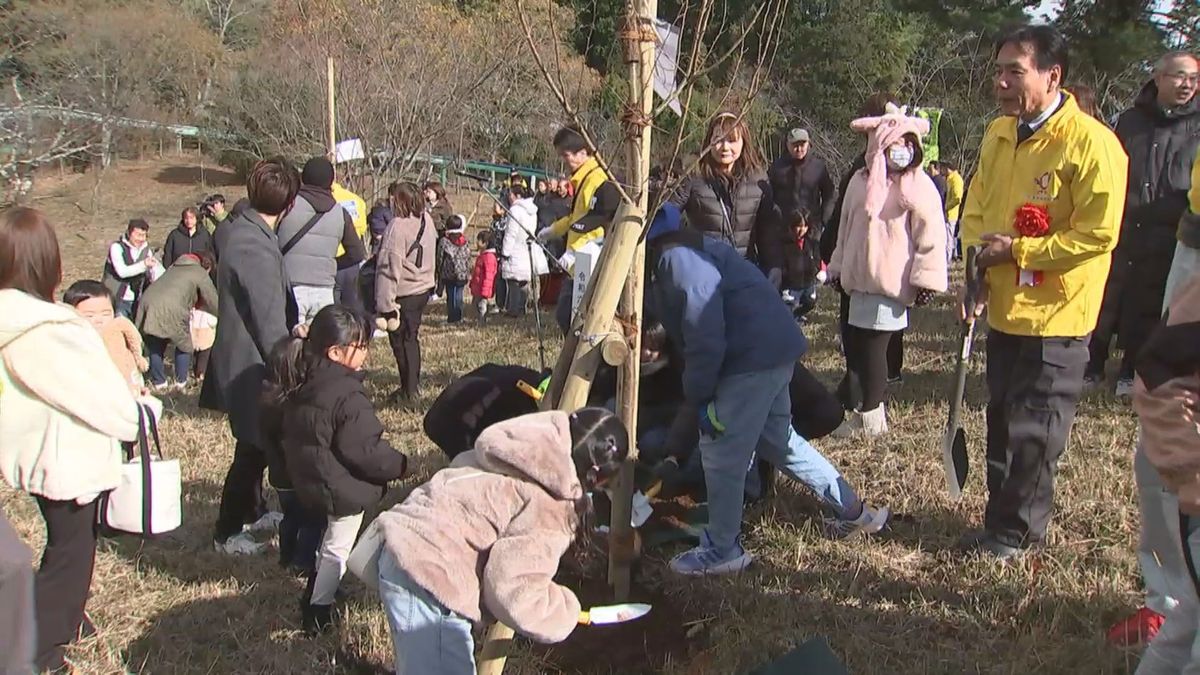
point(800, 180)
point(309, 236)
point(739, 344)
point(256, 309)
point(1160, 133)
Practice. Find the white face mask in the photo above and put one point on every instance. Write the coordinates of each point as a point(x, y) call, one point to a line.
point(899, 157)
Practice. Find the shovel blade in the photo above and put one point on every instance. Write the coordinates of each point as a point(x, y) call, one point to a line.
point(959, 459)
point(955, 462)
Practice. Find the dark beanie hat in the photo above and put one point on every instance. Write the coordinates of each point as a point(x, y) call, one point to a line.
point(318, 172)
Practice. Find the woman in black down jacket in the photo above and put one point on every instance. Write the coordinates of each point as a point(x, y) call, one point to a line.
point(730, 197)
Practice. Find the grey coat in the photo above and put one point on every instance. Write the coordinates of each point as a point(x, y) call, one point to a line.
point(312, 260)
point(166, 306)
point(256, 311)
point(750, 224)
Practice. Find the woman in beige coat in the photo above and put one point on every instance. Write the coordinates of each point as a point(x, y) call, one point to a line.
point(64, 409)
point(403, 282)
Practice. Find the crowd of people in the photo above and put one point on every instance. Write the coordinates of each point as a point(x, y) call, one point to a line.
point(1081, 233)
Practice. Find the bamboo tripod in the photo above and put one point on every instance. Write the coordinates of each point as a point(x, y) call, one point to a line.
point(608, 324)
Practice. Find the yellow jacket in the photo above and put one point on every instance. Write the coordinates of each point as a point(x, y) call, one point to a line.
point(357, 209)
point(1075, 167)
point(954, 190)
point(587, 180)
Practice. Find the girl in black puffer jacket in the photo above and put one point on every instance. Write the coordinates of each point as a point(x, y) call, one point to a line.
point(332, 441)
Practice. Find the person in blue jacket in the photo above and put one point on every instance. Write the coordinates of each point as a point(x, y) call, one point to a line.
point(739, 343)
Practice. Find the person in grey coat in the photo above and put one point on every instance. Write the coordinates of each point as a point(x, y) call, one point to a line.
point(165, 312)
point(309, 237)
point(256, 309)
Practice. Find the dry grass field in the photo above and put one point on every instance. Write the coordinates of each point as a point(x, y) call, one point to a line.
point(904, 602)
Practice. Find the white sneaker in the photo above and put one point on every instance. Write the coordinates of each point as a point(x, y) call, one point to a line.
point(870, 521)
point(269, 522)
point(239, 544)
point(874, 422)
point(1124, 390)
point(852, 425)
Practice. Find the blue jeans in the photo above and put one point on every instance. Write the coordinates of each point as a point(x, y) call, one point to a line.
point(158, 349)
point(428, 638)
point(454, 302)
point(756, 410)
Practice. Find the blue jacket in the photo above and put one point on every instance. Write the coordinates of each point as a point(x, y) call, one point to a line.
point(720, 310)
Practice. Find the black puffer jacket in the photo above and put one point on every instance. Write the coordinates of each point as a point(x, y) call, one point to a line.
point(333, 443)
point(830, 235)
point(750, 223)
point(803, 185)
point(1161, 146)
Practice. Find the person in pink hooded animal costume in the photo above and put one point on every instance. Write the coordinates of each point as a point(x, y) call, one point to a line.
point(890, 254)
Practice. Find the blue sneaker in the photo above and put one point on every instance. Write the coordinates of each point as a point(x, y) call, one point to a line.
point(705, 559)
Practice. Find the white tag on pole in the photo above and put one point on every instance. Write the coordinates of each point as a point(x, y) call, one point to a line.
point(585, 263)
point(348, 150)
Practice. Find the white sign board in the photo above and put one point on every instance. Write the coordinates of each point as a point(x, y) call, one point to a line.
point(349, 150)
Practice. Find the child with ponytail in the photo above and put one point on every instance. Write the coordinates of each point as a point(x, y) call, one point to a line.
point(336, 458)
point(487, 533)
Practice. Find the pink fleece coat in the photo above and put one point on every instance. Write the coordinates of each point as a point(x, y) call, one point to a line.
point(485, 535)
point(898, 252)
point(892, 235)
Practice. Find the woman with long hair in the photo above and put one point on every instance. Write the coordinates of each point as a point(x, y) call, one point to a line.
point(440, 210)
point(404, 279)
point(729, 197)
point(64, 409)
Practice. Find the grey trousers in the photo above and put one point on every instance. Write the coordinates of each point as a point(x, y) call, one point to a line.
point(1176, 648)
point(16, 599)
point(1034, 385)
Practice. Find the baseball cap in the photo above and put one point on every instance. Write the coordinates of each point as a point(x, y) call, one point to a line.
point(797, 136)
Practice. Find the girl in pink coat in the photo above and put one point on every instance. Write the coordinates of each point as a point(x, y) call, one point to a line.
point(890, 254)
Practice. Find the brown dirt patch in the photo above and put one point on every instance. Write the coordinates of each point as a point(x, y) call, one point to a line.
point(646, 645)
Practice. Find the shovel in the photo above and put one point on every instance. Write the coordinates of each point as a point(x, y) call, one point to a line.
point(954, 444)
point(614, 614)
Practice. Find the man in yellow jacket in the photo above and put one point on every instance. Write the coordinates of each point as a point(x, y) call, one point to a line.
point(595, 204)
point(345, 290)
point(1045, 206)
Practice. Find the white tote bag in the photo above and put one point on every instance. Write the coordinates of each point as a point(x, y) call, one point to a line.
point(149, 500)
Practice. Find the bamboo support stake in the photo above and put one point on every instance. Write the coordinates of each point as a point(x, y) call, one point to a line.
point(640, 45)
point(332, 110)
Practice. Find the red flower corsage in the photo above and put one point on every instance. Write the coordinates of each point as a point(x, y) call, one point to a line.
point(1031, 220)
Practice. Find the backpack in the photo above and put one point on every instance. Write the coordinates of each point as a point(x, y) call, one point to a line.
point(455, 262)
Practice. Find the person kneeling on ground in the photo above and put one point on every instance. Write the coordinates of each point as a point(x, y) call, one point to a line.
point(337, 458)
point(519, 500)
point(739, 344)
point(1167, 401)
